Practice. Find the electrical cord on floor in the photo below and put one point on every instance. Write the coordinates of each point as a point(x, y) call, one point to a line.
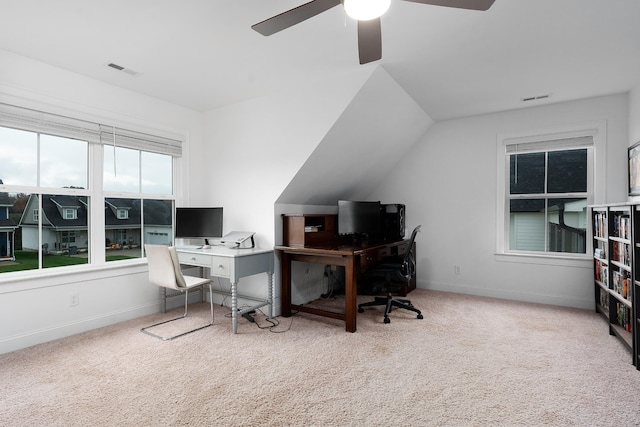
point(273, 323)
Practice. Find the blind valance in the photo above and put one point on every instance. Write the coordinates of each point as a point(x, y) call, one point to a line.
point(95, 133)
point(551, 145)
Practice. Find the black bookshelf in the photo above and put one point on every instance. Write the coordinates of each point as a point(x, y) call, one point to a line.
point(616, 261)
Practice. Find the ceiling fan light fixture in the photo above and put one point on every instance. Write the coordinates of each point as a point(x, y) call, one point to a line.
point(365, 10)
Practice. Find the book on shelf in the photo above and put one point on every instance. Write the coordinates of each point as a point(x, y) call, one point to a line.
point(599, 222)
point(621, 253)
point(604, 299)
point(620, 284)
point(312, 228)
point(624, 317)
point(622, 226)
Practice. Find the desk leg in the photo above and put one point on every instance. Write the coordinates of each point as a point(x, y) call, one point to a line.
point(234, 306)
point(271, 292)
point(285, 284)
point(351, 291)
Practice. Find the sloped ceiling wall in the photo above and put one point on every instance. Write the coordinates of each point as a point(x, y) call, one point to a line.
point(366, 142)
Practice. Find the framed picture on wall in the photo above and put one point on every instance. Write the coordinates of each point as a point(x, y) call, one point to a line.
point(634, 169)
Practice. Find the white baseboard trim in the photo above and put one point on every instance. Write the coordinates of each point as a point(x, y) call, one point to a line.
point(17, 342)
point(560, 300)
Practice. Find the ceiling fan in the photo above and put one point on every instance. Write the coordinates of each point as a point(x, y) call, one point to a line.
point(369, 29)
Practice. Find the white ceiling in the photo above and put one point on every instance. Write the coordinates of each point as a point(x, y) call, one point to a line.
point(202, 54)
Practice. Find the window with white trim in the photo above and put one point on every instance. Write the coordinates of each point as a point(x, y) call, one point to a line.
point(71, 171)
point(548, 184)
point(70, 213)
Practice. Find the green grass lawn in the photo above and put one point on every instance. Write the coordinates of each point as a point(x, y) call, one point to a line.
point(27, 260)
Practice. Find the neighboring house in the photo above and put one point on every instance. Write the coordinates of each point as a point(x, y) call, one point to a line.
point(566, 230)
point(122, 222)
point(7, 229)
point(64, 223)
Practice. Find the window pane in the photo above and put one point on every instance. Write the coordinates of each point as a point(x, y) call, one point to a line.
point(63, 162)
point(157, 177)
point(13, 256)
point(562, 221)
point(121, 169)
point(158, 222)
point(19, 157)
point(65, 231)
point(567, 225)
point(567, 171)
point(122, 231)
point(526, 173)
point(527, 225)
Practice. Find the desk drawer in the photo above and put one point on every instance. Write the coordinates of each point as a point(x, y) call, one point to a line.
point(221, 267)
point(197, 260)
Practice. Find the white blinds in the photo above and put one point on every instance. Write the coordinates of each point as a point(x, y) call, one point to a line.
point(95, 133)
point(554, 144)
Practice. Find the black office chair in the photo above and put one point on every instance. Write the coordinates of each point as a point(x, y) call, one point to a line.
point(400, 270)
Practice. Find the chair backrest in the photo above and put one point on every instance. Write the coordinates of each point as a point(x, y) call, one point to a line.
point(409, 263)
point(164, 267)
point(409, 253)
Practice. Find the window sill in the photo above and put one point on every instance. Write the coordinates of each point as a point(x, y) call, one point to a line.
point(35, 279)
point(583, 261)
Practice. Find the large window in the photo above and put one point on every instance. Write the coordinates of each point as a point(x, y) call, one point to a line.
point(548, 186)
point(67, 186)
point(135, 219)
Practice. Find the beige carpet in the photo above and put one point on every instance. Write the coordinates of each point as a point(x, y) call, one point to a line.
point(471, 362)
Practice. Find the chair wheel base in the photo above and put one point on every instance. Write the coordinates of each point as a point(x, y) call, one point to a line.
point(387, 320)
point(420, 316)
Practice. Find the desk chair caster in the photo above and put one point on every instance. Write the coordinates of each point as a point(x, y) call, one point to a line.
point(390, 302)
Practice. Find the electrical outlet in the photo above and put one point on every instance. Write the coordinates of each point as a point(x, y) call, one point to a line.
point(74, 300)
point(456, 269)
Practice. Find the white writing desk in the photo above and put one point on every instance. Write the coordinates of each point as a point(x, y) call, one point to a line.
point(233, 264)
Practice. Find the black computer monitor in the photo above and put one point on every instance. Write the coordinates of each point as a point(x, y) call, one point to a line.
point(359, 218)
point(198, 223)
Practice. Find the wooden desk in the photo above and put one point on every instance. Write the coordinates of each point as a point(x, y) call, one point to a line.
point(233, 264)
point(352, 257)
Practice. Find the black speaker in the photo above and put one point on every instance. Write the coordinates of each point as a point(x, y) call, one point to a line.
point(393, 221)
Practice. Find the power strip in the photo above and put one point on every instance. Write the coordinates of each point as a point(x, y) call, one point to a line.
point(249, 317)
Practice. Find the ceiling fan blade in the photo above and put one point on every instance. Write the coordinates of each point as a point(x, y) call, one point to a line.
point(461, 4)
point(369, 40)
point(294, 16)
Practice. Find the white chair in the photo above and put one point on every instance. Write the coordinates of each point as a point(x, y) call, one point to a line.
point(164, 270)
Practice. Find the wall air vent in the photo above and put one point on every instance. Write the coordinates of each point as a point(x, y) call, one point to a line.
point(535, 98)
point(123, 69)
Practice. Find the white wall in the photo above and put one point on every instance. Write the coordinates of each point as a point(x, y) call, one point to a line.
point(254, 149)
point(32, 309)
point(634, 115)
point(364, 144)
point(448, 182)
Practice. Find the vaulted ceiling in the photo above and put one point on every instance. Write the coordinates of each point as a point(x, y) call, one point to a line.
point(203, 54)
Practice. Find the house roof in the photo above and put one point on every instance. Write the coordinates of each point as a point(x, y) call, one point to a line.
point(51, 205)
point(157, 212)
point(5, 200)
point(8, 223)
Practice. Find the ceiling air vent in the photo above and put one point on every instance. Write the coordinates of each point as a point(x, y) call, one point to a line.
point(123, 69)
point(536, 98)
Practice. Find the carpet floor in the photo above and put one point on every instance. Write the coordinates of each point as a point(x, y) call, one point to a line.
point(471, 361)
